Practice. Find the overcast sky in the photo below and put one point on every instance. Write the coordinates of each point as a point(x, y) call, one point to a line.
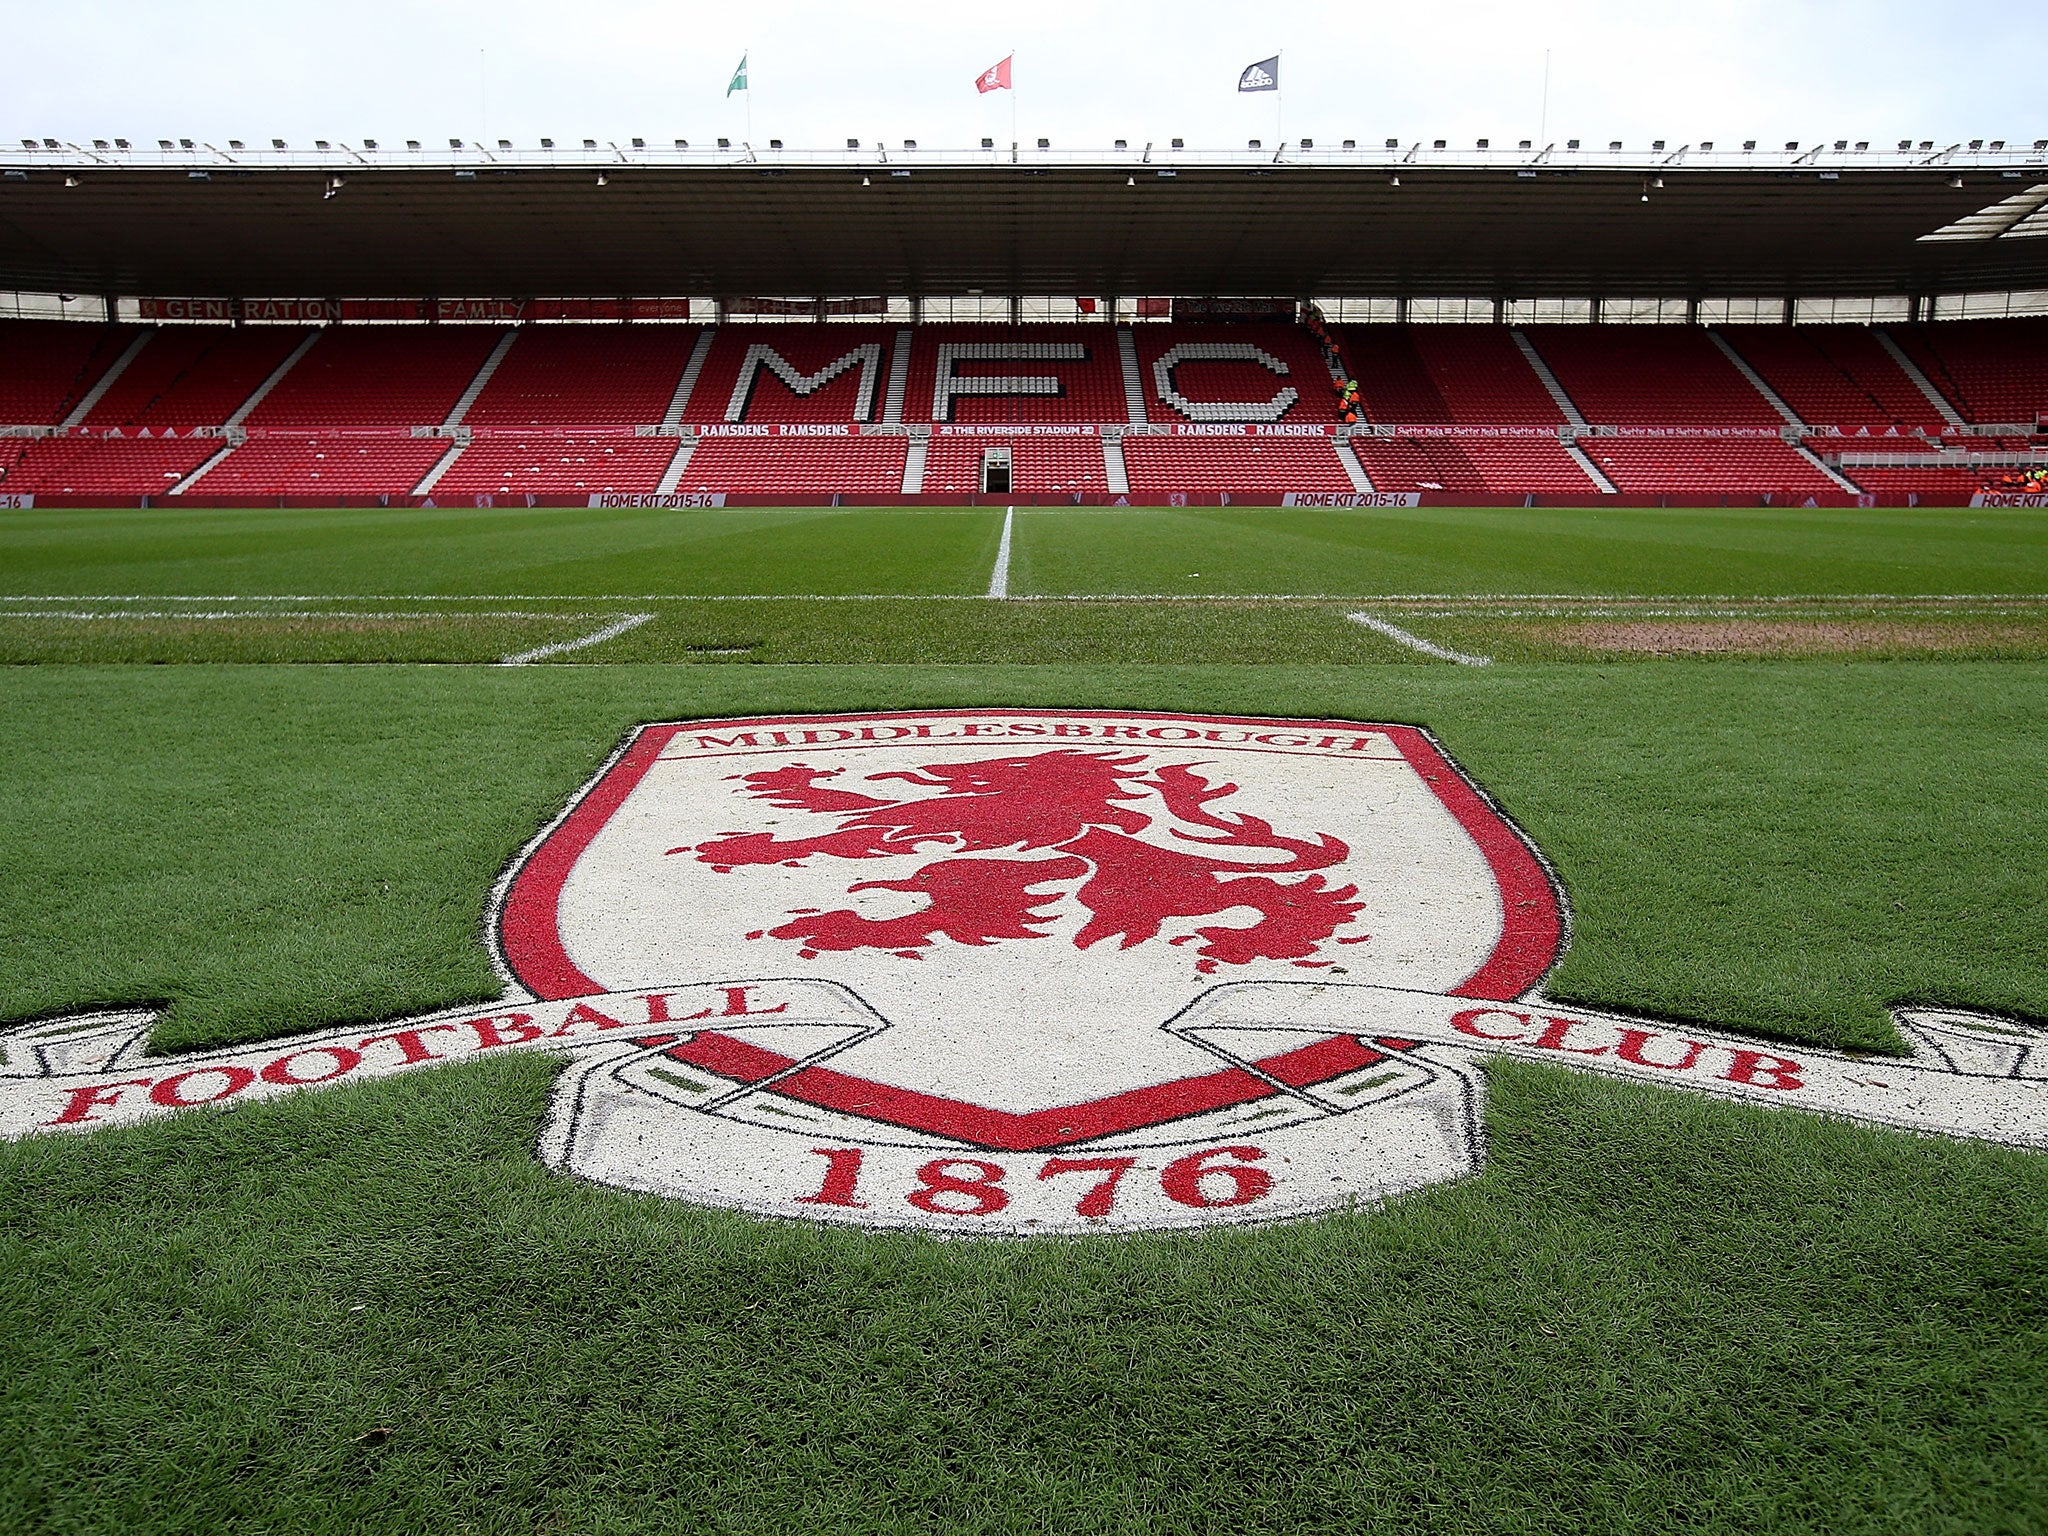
point(1086, 72)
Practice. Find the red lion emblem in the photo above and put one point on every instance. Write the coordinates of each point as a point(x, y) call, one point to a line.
point(1076, 812)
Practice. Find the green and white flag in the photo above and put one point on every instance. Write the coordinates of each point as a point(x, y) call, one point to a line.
point(739, 77)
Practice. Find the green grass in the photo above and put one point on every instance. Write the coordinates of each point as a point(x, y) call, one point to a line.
point(1517, 550)
point(576, 552)
point(371, 1309)
point(553, 551)
point(1649, 1313)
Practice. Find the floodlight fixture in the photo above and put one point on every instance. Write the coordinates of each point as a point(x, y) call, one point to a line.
point(772, 143)
point(160, 144)
point(1998, 144)
point(1252, 144)
point(71, 181)
point(53, 144)
point(1571, 143)
point(1351, 143)
point(1976, 143)
point(455, 143)
point(1130, 181)
point(504, 143)
point(725, 143)
point(182, 143)
point(1486, 143)
point(412, 143)
point(1308, 143)
point(1955, 182)
point(910, 143)
point(590, 143)
point(1438, 144)
point(1927, 143)
point(1656, 146)
point(1393, 181)
point(334, 184)
point(1613, 145)
point(547, 143)
point(1045, 143)
point(603, 180)
point(277, 144)
point(680, 144)
point(637, 143)
point(323, 146)
point(99, 143)
point(1523, 144)
point(1123, 144)
point(120, 143)
point(370, 144)
point(1393, 144)
point(865, 182)
point(1180, 144)
point(985, 144)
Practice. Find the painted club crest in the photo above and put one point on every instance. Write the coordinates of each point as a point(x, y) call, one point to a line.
point(1031, 971)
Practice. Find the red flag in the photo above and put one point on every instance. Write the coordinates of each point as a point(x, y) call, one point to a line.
point(995, 78)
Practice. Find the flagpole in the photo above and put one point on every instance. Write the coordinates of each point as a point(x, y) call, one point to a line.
point(748, 57)
point(1279, 96)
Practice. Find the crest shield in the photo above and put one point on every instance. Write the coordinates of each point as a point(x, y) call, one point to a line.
point(1017, 926)
point(1027, 971)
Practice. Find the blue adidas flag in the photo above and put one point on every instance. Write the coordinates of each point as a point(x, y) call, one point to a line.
point(1262, 76)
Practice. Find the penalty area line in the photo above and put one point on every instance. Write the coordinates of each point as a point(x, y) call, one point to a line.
point(999, 578)
point(1401, 636)
point(611, 631)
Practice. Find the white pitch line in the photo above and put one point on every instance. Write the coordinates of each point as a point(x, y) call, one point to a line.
point(999, 578)
point(610, 632)
point(189, 615)
point(1401, 636)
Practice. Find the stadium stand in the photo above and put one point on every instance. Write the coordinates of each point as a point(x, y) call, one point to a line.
point(1919, 480)
point(378, 376)
point(792, 373)
point(1252, 465)
point(516, 464)
point(1994, 372)
point(1233, 373)
point(1650, 376)
point(554, 409)
point(191, 376)
point(48, 366)
point(1834, 376)
point(1489, 466)
point(1706, 466)
point(579, 377)
point(814, 466)
point(1418, 375)
point(1037, 464)
point(323, 464)
point(100, 466)
point(1080, 365)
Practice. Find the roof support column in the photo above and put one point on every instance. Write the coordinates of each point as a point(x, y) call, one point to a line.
point(1500, 311)
point(1401, 310)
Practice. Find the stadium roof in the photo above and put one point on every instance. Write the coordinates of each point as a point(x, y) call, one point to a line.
point(201, 222)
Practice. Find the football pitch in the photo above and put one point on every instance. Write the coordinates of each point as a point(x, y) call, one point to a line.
point(1787, 765)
